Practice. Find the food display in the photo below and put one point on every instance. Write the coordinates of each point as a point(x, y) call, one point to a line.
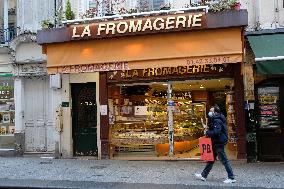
point(7, 113)
point(139, 123)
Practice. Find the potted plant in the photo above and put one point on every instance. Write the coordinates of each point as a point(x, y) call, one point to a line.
point(225, 5)
point(69, 14)
point(237, 6)
point(166, 6)
point(46, 24)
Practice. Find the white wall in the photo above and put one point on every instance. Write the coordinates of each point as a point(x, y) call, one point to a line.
point(29, 52)
point(263, 15)
point(31, 12)
point(5, 60)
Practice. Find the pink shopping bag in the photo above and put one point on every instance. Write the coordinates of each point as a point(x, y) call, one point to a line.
point(205, 146)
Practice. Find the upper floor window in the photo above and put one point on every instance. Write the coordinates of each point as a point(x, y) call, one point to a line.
point(93, 4)
point(157, 4)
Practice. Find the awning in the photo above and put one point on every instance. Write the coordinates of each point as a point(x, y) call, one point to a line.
point(138, 52)
point(269, 53)
point(6, 75)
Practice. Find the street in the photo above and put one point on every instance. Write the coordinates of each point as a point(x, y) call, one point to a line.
point(83, 173)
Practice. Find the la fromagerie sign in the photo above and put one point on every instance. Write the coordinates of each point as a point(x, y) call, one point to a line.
point(168, 23)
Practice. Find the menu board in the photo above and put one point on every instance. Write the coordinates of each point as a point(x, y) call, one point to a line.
point(268, 105)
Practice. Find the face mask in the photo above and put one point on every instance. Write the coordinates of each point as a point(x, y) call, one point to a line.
point(210, 114)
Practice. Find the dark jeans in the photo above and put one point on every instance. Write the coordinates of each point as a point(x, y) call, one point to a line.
point(219, 150)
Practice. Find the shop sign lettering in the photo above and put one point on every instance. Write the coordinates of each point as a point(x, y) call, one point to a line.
point(93, 67)
point(134, 26)
point(168, 72)
point(208, 60)
point(181, 70)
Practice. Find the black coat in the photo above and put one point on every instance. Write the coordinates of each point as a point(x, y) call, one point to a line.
point(218, 131)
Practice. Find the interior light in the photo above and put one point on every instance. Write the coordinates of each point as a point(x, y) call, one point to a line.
point(201, 87)
point(165, 84)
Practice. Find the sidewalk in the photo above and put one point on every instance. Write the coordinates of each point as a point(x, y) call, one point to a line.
point(170, 173)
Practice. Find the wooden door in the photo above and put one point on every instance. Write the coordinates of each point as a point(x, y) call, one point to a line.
point(39, 126)
point(84, 119)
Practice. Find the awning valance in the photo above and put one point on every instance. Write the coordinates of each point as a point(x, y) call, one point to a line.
point(269, 53)
point(170, 49)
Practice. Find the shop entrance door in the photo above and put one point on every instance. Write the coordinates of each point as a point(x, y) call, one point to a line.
point(84, 119)
point(270, 130)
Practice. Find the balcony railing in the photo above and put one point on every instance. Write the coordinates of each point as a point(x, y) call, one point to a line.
point(6, 35)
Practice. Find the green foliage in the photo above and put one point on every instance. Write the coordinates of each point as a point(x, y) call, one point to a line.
point(90, 13)
point(69, 14)
point(223, 5)
point(46, 24)
point(219, 6)
point(59, 17)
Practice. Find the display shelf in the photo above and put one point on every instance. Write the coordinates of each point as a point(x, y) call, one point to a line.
point(152, 129)
point(6, 135)
point(4, 100)
point(6, 111)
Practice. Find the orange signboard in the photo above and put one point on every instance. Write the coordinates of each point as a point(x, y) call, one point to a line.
point(220, 46)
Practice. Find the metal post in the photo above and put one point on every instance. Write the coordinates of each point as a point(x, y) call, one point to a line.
point(170, 120)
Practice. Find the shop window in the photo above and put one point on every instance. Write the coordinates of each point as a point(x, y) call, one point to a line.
point(139, 121)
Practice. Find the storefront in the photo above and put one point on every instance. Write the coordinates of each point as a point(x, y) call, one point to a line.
point(7, 112)
point(269, 73)
point(149, 80)
point(138, 109)
point(7, 106)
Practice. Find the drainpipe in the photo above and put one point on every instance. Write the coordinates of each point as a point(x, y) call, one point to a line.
point(55, 14)
point(276, 13)
point(257, 14)
point(5, 14)
point(5, 19)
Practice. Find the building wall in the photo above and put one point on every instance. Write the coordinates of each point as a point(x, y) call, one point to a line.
point(5, 60)
point(264, 14)
point(29, 52)
point(131, 4)
point(1, 14)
